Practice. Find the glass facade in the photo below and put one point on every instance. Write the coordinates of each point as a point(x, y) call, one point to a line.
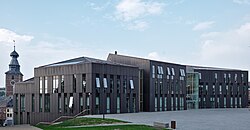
point(192, 90)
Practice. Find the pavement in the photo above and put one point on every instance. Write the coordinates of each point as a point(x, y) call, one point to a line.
point(20, 127)
point(199, 119)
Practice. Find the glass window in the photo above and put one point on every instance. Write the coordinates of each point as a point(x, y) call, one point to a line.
point(98, 85)
point(70, 101)
point(59, 103)
point(55, 84)
point(235, 77)
point(22, 103)
point(47, 103)
point(215, 76)
point(108, 105)
point(165, 103)
point(153, 71)
point(62, 83)
point(84, 81)
point(118, 104)
point(40, 103)
point(105, 83)
point(155, 103)
point(46, 85)
point(168, 69)
point(40, 84)
point(131, 84)
point(74, 83)
point(199, 75)
point(173, 73)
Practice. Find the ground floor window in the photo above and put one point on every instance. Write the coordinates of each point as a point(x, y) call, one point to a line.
point(155, 103)
point(165, 103)
point(118, 105)
point(108, 104)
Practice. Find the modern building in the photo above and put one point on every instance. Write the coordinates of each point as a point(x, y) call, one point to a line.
point(13, 75)
point(164, 84)
point(124, 84)
point(209, 87)
point(69, 87)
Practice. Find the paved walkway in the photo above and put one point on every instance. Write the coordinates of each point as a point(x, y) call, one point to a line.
point(200, 119)
point(19, 127)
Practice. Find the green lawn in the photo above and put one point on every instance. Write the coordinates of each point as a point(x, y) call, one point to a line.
point(94, 121)
point(117, 127)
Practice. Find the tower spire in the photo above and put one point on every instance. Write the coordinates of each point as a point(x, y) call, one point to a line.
point(14, 44)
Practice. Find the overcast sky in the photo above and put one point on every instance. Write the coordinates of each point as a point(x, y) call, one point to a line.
point(210, 33)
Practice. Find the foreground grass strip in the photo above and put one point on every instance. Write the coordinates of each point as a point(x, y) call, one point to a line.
point(88, 121)
point(117, 127)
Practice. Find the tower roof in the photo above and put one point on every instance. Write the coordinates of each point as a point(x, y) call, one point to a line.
point(14, 67)
point(14, 54)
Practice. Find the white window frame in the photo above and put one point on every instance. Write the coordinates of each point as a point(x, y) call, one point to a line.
point(71, 101)
point(173, 73)
point(97, 80)
point(169, 72)
point(131, 84)
point(105, 83)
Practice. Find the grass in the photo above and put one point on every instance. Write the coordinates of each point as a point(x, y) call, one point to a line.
point(94, 121)
point(116, 127)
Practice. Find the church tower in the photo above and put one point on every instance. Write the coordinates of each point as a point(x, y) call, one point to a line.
point(13, 75)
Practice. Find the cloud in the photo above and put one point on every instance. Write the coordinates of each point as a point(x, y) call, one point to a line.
point(130, 11)
point(229, 48)
point(154, 56)
point(138, 25)
point(242, 1)
point(203, 25)
point(7, 36)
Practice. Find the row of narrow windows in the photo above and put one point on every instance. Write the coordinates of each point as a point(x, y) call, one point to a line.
point(43, 83)
point(68, 103)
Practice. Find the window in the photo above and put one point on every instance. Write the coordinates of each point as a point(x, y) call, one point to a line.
point(111, 83)
point(105, 83)
point(81, 102)
point(215, 75)
point(55, 84)
point(165, 103)
point(65, 103)
point(71, 102)
point(46, 84)
point(84, 82)
point(22, 103)
point(153, 71)
point(161, 104)
point(131, 84)
point(40, 103)
point(62, 83)
point(155, 103)
point(108, 104)
point(33, 103)
point(199, 75)
point(235, 77)
point(59, 103)
point(74, 83)
point(40, 84)
point(168, 70)
point(173, 73)
point(118, 84)
point(182, 72)
point(97, 80)
point(160, 70)
point(125, 84)
point(225, 102)
point(236, 102)
point(97, 102)
point(225, 78)
point(172, 103)
point(118, 105)
point(220, 89)
point(46, 103)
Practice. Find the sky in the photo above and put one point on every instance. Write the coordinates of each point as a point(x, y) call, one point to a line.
point(208, 33)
